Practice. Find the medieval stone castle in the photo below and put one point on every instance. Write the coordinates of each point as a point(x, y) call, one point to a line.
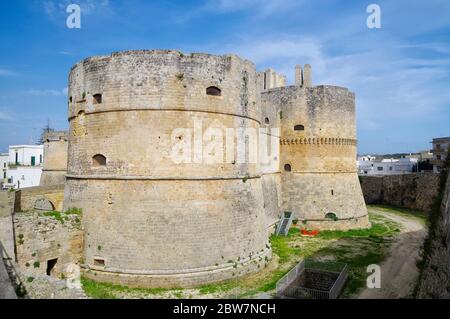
point(150, 222)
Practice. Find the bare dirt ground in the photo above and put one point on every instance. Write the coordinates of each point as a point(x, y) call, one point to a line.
point(399, 272)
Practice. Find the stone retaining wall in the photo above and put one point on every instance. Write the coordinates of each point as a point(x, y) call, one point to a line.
point(414, 191)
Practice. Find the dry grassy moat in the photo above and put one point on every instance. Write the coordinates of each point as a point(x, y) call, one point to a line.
point(356, 248)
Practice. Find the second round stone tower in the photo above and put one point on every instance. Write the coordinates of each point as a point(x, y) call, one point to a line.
point(319, 181)
point(151, 220)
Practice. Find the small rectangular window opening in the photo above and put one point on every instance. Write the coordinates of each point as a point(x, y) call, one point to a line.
point(99, 262)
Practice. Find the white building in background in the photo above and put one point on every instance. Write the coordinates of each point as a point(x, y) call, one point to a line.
point(4, 160)
point(366, 158)
point(367, 165)
point(25, 166)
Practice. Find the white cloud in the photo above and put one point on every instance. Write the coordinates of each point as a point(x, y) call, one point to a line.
point(48, 92)
point(6, 72)
point(64, 52)
point(261, 7)
point(438, 47)
point(256, 8)
point(4, 116)
point(391, 85)
point(280, 52)
point(55, 8)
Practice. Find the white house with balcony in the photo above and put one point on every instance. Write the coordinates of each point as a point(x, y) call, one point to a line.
point(24, 166)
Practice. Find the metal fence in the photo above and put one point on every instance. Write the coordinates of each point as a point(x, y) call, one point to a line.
point(290, 277)
point(288, 288)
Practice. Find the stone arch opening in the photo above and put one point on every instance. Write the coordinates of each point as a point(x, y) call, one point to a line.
point(98, 160)
point(331, 216)
point(266, 120)
point(287, 167)
point(299, 127)
point(214, 91)
point(80, 117)
point(44, 204)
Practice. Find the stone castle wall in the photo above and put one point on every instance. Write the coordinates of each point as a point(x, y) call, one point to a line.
point(414, 191)
point(40, 238)
point(55, 158)
point(26, 198)
point(6, 222)
point(153, 220)
point(318, 143)
point(435, 279)
point(161, 223)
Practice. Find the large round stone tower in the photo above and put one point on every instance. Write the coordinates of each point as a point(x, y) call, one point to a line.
point(319, 178)
point(150, 219)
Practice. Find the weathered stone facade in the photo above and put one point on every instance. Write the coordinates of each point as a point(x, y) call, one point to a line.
point(152, 222)
point(435, 278)
point(55, 158)
point(6, 223)
point(44, 249)
point(414, 191)
point(159, 223)
point(317, 154)
point(46, 245)
point(27, 199)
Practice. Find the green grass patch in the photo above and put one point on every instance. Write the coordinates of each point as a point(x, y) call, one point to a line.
point(97, 290)
point(102, 290)
point(281, 247)
point(74, 211)
point(56, 215)
point(357, 248)
point(380, 227)
point(218, 287)
point(422, 217)
point(371, 250)
point(63, 217)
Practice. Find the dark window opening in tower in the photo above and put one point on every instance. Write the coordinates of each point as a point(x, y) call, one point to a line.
point(332, 192)
point(98, 160)
point(214, 91)
point(299, 128)
point(266, 120)
point(51, 266)
point(287, 167)
point(70, 99)
point(97, 99)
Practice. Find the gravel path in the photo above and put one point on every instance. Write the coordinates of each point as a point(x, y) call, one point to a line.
point(399, 272)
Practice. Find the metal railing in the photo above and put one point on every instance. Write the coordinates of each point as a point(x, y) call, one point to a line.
point(339, 283)
point(290, 277)
point(286, 287)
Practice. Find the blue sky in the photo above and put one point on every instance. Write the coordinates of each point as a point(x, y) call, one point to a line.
point(400, 73)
